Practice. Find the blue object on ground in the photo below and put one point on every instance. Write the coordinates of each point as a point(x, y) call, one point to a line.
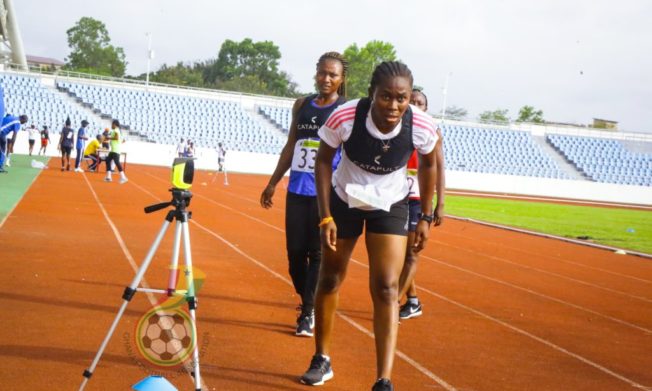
point(154, 383)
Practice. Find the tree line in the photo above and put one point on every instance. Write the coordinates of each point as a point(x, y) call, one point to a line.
point(245, 66)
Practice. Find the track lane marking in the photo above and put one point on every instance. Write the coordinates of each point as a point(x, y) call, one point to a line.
point(538, 339)
point(410, 361)
point(542, 295)
point(489, 317)
point(187, 366)
point(557, 275)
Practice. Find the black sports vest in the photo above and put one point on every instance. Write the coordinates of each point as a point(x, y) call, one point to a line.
point(311, 118)
point(374, 155)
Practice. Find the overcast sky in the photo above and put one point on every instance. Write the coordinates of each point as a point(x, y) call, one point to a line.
point(573, 59)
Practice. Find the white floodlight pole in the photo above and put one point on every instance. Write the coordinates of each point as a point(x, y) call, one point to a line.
point(149, 57)
point(15, 39)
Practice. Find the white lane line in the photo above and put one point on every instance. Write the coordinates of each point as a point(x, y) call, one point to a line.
point(527, 334)
point(499, 259)
point(538, 339)
point(415, 364)
point(281, 209)
point(552, 257)
point(134, 266)
point(579, 307)
point(623, 322)
point(489, 317)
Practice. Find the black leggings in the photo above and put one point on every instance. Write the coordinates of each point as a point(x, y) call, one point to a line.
point(113, 157)
point(303, 245)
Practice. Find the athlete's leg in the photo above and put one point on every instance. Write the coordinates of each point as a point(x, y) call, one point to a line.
point(386, 256)
point(331, 275)
point(314, 254)
point(409, 268)
point(296, 240)
point(3, 147)
point(78, 157)
point(412, 289)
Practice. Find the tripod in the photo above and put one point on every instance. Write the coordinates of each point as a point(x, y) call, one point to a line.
point(180, 200)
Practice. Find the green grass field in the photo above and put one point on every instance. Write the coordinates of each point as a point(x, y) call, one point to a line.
point(625, 228)
point(14, 184)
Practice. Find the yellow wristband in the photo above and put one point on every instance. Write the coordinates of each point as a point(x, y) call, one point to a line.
point(325, 221)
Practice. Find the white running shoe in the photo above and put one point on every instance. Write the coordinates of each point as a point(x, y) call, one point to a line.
point(79, 169)
point(107, 179)
point(123, 180)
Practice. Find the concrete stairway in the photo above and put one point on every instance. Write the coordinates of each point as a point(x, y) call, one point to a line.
point(90, 113)
point(561, 161)
point(265, 122)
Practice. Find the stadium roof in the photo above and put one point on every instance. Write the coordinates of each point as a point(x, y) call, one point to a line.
point(44, 60)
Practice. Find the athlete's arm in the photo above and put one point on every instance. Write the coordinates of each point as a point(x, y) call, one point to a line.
point(284, 161)
point(427, 174)
point(323, 176)
point(441, 180)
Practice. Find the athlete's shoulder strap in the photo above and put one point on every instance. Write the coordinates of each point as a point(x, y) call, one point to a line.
point(307, 100)
point(361, 111)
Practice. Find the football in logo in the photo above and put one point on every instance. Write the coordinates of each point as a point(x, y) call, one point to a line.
point(165, 337)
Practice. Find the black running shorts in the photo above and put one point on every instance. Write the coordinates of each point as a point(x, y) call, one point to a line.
point(350, 221)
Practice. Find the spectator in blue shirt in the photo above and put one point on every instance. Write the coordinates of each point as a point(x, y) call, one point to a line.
point(10, 124)
point(80, 145)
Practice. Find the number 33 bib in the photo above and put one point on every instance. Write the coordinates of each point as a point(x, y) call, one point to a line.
point(305, 154)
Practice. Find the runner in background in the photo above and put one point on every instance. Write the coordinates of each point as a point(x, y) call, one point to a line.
point(115, 142)
point(412, 307)
point(221, 157)
point(45, 140)
point(301, 213)
point(65, 145)
point(33, 135)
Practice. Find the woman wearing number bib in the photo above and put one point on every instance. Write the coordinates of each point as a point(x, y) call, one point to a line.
point(301, 213)
point(368, 191)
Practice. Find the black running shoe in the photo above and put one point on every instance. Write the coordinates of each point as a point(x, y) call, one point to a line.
point(319, 372)
point(305, 324)
point(383, 385)
point(409, 310)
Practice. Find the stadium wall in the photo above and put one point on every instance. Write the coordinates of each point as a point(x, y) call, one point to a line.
point(253, 163)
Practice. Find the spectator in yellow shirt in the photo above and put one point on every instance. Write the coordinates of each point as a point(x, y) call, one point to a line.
point(91, 152)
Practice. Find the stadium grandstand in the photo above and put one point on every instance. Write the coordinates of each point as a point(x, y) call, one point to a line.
point(161, 115)
point(581, 155)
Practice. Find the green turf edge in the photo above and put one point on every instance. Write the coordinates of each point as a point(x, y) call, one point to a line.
point(618, 227)
point(14, 184)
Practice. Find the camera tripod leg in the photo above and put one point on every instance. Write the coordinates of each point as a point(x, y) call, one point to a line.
point(192, 301)
point(174, 263)
point(127, 296)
